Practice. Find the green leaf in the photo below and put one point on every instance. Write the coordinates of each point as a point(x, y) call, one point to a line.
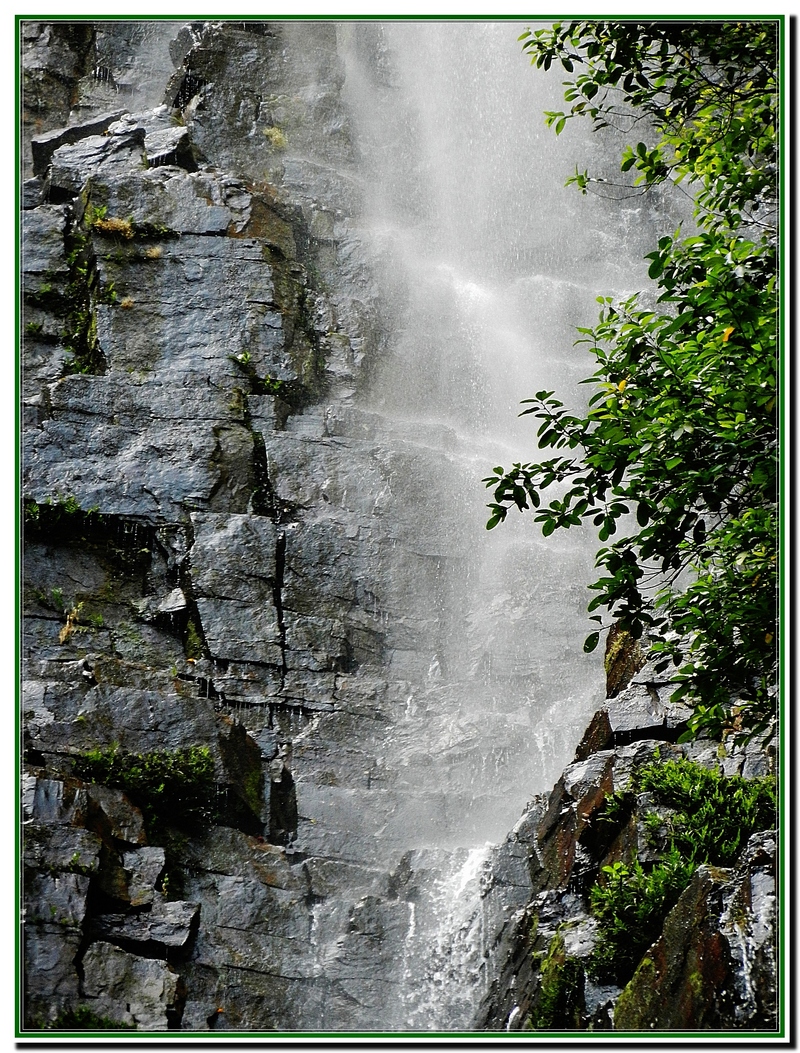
point(591, 641)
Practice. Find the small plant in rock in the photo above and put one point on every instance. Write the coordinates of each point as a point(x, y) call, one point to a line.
point(82, 1018)
point(630, 904)
point(276, 137)
point(195, 645)
point(265, 385)
point(72, 625)
point(30, 511)
point(171, 787)
point(617, 808)
point(655, 828)
point(108, 294)
point(59, 518)
point(111, 226)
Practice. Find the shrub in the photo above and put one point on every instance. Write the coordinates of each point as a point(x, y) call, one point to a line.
point(276, 137)
point(630, 905)
point(172, 787)
point(713, 816)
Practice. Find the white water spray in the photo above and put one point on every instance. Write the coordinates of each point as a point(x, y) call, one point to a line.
point(488, 264)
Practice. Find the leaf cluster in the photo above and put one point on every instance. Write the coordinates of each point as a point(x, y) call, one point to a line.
point(630, 905)
point(287, 391)
point(705, 91)
point(711, 818)
point(171, 787)
point(676, 460)
point(712, 815)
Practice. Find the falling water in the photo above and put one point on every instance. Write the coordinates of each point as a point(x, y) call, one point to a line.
point(487, 265)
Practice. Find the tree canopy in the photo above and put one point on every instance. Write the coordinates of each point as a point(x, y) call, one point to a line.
point(676, 460)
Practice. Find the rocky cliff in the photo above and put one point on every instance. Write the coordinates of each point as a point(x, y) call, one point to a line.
point(254, 760)
point(582, 954)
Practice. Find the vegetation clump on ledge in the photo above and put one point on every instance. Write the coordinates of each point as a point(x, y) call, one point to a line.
point(171, 787)
point(85, 1019)
point(709, 821)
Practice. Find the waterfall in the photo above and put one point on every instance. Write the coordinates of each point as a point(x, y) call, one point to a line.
point(487, 264)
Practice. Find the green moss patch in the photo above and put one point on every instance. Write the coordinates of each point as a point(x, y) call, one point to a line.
point(173, 788)
point(561, 1002)
point(712, 816)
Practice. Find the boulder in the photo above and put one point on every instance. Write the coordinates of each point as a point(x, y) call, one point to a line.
point(113, 816)
point(130, 988)
point(73, 163)
point(166, 925)
point(44, 146)
point(143, 867)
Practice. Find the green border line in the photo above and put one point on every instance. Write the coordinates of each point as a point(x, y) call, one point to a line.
point(586, 1038)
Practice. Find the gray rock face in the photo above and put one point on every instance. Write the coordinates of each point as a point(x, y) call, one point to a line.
point(233, 572)
point(713, 966)
point(166, 925)
point(44, 146)
point(144, 867)
point(129, 988)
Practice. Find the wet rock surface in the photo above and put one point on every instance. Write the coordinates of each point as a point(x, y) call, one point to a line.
point(713, 967)
point(226, 543)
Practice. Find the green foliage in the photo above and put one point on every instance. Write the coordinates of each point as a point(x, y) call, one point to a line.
point(630, 904)
point(714, 814)
point(259, 385)
point(61, 517)
point(617, 808)
point(681, 426)
point(173, 788)
point(704, 90)
point(195, 645)
point(82, 1018)
point(711, 820)
point(560, 1000)
point(97, 219)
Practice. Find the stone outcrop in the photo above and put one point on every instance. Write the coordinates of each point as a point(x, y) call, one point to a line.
point(714, 965)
